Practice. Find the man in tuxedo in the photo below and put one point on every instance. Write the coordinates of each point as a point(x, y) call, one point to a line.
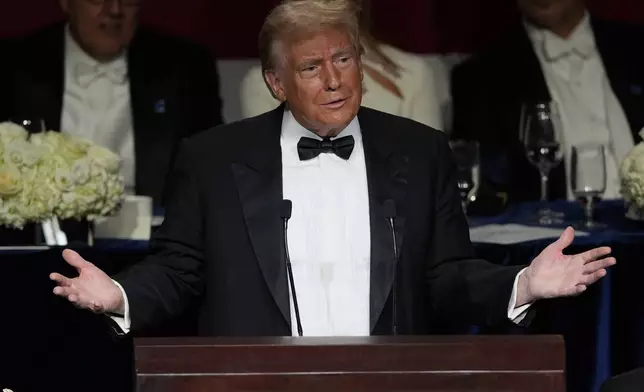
point(561, 54)
point(349, 171)
point(97, 75)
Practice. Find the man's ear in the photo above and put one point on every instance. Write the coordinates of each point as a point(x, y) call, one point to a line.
point(275, 85)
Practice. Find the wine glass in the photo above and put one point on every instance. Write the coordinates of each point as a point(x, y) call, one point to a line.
point(466, 157)
point(588, 178)
point(540, 131)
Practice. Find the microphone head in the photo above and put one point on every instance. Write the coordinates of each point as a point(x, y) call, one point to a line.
point(389, 208)
point(286, 208)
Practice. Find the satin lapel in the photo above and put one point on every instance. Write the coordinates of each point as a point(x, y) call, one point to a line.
point(52, 111)
point(387, 178)
point(145, 73)
point(618, 64)
point(258, 176)
point(531, 83)
point(40, 84)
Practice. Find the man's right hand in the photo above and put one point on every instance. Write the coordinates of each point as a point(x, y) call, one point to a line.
point(92, 289)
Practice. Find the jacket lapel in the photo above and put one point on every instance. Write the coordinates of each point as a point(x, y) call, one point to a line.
point(622, 71)
point(531, 85)
point(141, 79)
point(39, 84)
point(153, 107)
point(258, 176)
point(387, 178)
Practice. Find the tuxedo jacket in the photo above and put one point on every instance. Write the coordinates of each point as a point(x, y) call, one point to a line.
point(489, 88)
point(632, 381)
point(174, 91)
point(221, 243)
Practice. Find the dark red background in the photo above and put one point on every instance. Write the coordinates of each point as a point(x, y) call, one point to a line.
point(229, 27)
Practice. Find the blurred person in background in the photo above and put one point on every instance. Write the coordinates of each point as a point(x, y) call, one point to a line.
point(99, 76)
point(395, 82)
point(558, 53)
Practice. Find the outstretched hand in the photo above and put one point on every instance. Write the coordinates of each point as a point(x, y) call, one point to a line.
point(92, 289)
point(553, 274)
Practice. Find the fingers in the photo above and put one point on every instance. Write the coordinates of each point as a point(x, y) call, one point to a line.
point(96, 307)
point(574, 290)
point(60, 279)
point(593, 277)
point(66, 292)
point(565, 239)
point(597, 265)
point(74, 259)
point(595, 254)
point(578, 289)
point(78, 299)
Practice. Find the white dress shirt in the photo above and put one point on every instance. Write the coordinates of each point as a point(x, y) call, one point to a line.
point(329, 238)
point(96, 104)
point(589, 110)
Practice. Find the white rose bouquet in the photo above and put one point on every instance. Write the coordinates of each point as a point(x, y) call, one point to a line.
point(632, 180)
point(52, 174)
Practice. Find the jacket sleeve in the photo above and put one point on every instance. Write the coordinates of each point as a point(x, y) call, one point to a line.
point(170, 278)
point(462, 286)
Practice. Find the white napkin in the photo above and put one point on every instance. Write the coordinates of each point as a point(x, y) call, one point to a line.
point(514, 233)
point(132, 222)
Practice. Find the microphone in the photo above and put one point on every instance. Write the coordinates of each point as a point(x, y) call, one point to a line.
point(285, 213)
point(389, 207)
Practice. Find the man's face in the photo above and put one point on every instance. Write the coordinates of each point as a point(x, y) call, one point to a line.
point(321, 79)
point(549, 13)
point(103, 28)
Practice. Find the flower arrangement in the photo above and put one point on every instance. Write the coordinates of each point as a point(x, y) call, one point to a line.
point(632, 181)
point(52, 174)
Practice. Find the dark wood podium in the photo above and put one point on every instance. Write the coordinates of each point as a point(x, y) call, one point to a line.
point(437, 363)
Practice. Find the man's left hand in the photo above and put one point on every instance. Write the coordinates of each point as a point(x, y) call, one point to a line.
point(553, 274)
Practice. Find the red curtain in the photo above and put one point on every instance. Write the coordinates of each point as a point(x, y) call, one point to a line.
point(230, 28)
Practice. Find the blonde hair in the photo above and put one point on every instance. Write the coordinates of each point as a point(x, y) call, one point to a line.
point(294, 19)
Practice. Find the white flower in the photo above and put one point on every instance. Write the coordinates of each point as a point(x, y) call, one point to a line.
point(632, 176)
point(81, 171)
point(10, 180)
point(49, 141)
point(53, 174)
point(74, 148)
point(10, 133)
point(22, 153)
point(64, 179)
point(104, 158)
point(9, 215)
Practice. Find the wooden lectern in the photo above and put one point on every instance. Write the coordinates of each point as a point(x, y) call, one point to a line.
point(437, 363)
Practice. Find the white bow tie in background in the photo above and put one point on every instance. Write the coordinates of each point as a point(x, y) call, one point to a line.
point(555, 48)
point(86, 74)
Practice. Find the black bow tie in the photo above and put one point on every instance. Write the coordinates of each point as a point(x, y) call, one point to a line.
point(309, 148)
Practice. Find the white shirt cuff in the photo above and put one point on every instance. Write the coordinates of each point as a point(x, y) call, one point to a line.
point(123, 322)
point(516, 314)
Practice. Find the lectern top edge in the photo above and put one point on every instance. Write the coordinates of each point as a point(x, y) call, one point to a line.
point(348, 341)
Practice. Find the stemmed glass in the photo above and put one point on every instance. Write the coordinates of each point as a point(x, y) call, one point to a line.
point(588, 178)
point(466, 157)
point(539, 127)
